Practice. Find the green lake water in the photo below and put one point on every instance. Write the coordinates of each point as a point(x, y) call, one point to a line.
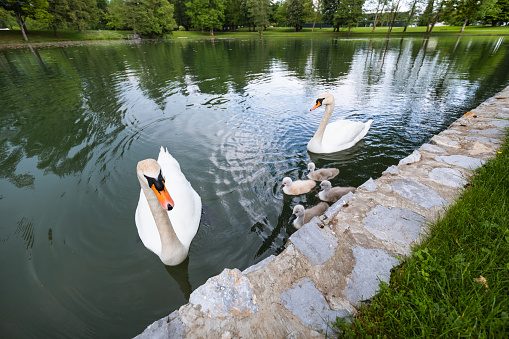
point(75, 120)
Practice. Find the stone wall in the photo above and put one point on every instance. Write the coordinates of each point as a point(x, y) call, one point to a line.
point(336, 261)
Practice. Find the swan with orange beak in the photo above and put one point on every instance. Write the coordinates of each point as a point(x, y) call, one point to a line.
point(338, 135)
point(169, 209)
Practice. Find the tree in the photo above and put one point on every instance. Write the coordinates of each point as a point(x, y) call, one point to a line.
point(77, 13)
point(101, 11)
point(206, 14)
point(115, 17)
point(298, 12)
point(279, 13)
point(124, 14)
point(24, 9)
point(500, 14)
point(236, 13)
point(349, 12)
point(82, 12)
point(427, 14)
point(6, 19)
point(180, 13)
point(147, 17)
point(466, 10)
point(329, 10)
point(317, 12)
point(157, 18)
point(58, 10)
point(411, 13)
point(259, 10)
point(433, 19)
point(392, 16)
point(274, 9)
point(379, 11)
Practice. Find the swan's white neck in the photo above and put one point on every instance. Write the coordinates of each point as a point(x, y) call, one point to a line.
point(317, 138)
point(323, 194)
point(299, 222)
point(173, 251)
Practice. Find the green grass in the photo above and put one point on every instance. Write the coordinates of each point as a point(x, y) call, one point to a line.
point(15, 36)
point(440, 292)
point(358, 31)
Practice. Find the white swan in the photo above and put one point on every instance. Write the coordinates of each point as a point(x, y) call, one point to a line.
point(169, 209)
point(332, 194)
point(297, 187)
point(303, 216)
point(338, 135)
point(321, 174)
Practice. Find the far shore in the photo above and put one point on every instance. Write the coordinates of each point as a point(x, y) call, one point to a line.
point(46, 38)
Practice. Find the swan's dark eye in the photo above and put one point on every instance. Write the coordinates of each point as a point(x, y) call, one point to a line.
point(150, 180)
point(319, 100)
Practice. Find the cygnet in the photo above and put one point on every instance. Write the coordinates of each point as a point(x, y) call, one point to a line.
point(332, 194)
point(297, 187)
point(303, 216)
point(321, 174)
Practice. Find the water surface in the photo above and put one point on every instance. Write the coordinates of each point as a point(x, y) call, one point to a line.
point(74, 122)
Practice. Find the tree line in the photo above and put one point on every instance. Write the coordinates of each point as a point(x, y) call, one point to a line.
point(154, 18)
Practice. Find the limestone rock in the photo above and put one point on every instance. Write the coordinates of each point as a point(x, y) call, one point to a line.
point(227, 294)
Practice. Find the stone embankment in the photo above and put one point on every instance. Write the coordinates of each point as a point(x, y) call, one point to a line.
point(336, 261)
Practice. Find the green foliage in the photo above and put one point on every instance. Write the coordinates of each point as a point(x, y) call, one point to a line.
point(147, 17)
point(206, 14)
point(259, 10)
point(329, 10)
point(180, 13)
point(461, 11)
point(409, 16)
point(236, 13)
point(427, 14)
point(348, 13)
point(274, 7)
point(23, 9)
point(114, 17)
point(456, 283)
point(157, 18)
point(7, 19)
point(279, 15)
point(73, 13)
point(298, 12)
point(500, 14)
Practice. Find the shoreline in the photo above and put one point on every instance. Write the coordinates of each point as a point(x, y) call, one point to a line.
point(49, 44)
point(381, 34)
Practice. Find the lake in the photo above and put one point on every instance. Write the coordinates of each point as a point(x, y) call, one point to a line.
point(75, 120)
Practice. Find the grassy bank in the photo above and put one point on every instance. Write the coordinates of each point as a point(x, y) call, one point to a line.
point(457, 282)
point(15, 36)
point(358, 31)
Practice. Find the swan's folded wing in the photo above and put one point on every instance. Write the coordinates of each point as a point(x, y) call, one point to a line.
point(343, 134)
point(186, 214)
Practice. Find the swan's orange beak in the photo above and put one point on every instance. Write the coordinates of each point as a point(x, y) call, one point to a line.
point(318, 104)
point(164, 198)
